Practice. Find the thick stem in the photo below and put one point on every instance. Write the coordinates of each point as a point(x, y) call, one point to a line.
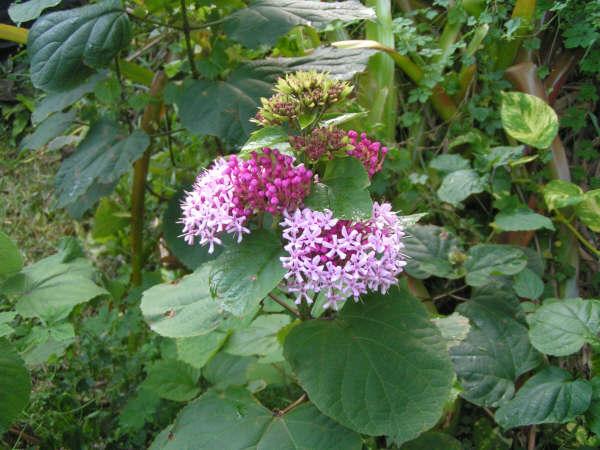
point(188, 40)
point(150, 121)
point(524, 11)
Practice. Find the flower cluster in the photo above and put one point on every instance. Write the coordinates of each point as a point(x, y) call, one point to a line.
point(322, 142)
point(370, 153)
point(340, 257)
point(300, 93)
point(231, 191)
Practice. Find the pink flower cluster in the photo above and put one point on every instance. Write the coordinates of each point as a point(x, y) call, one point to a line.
point(231, 191)
point(341, 257)
point(370, 153)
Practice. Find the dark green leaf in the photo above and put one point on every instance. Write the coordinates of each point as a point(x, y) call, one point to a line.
point(29, 10)
point(11, 260)
point(522, 219)
point(173, 380)
point(430, 248)
point(497, 349)
point(593, 413)
point(433, 440)
point(459, 185)
point(550, 396)
point(561, 327)
point(263, 21)
point(235, 420)
point(380, 367)
point(138, 410)
point(47, 130)
point(244, 274)
point(65, 47)
point(488, 260)
point(15, 385)
point(528, 284)
point(225, 370)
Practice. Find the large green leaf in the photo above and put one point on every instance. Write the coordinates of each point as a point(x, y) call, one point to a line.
point(430, 249)
point(528, 119)
point(235, 420)
point(173, 380)
point(263, 21)
point(458, 186)
point(244, 274)
point(497, 349)
point(550, 396)
point(183, 309)
point(433, 440)
point(197, 350)
point(561, 327)
point(29, 10)
point(588, 211)
point(380, 368)
point(11, 260)
point(559, 194)
point(50, 288)
point(225, 370)
point(97, 164)
point(15, 385)
point(521, 219)
point(485, 261)
point(47, 130)
point(65, 47)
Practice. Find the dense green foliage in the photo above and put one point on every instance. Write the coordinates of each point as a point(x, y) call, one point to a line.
point(124, 336)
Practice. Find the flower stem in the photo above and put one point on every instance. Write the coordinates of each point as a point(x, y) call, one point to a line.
point(294, 311)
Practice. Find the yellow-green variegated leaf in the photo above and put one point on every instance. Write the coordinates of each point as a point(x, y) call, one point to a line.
point(528, 119)
point(588, 211)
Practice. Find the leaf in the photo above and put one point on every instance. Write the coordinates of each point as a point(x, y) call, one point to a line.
point(528, 119)
point(66, 46)
point(272, 137)
point(449, 163)
point(29, 10)
point(488, 260)
point(197, 350)
point(260, 338)
point(172, 380)
point(433, 440)
point(588, 211)
point(550, 396)
point(108, 220)
point(501, 156)
point(12, 260)
point(43, 344)
point(454, 328)
point(138, 410)
point(561, 328)
point(97, 164)
point(15, 385)
point(497, 349)
point(244, 274)
point(521, 219)
point(560, 194)
point(263, 21)
point(53, 126)
point(192, 256)
point(234, 419)
point(58, 101)
point(342, 118)
point(459, 185)
point(593, 413)
point(183, 309)
point(51, 288)
point(528, 284)
point(5, 319)
point(379, 368)
point(225, 370)
point(429, 249)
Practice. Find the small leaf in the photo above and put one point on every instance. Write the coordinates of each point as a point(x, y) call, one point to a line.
point(271, 137)
point(486, 261)
point(561, 328)
point(107, 221)
point(342, 118)
point(528, 284)
point(15, 385)
point(263, 21)
point(449, 163)
point(501, 156)
point(560, 194)
point(588, 211)
point(454, 328)
point(429, 249)
point(138, 410)
point(172, 380)
point(528, 119)
point(550, 396)
point(29, 10)
point(521, 219)
point(66, 46)
point(244, 274)
point(459, 185)
point(11, 260)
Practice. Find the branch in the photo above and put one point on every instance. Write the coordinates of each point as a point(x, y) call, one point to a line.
point(188, 40)
point(294, 311)
point(291, 406)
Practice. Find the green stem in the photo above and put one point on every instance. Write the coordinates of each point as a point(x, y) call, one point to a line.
point(524, 10)
point(562, 219)
point(294, 311)
point(188, 40)
point(305, 310)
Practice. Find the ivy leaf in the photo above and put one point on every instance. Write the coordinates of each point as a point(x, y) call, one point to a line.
point(30, 10)
point(234, 419)
point(550, 396)
point(521, 219)
point(12, 260)
point(379, 368)
point(560, 194)
point(497, 349)
point(430, 248)
point(47, 130)
point(97, 164)
point(486, 261)
point(173, 380)
point(244, 274)
point(263, 21)
point(65, 47)
point(15, 382)
point(183, 309)
point(588, 211)
point(528, 119)
point(561, 328)
point(459, 185)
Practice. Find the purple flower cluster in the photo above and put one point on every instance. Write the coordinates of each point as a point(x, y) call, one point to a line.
point(370, 153)
point(320, 143)
point(340, 257)
point(231, 191)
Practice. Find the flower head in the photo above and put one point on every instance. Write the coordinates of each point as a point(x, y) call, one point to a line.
point(322, 142)
point(228, 194)
point(339, 257)
point(370, 153)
